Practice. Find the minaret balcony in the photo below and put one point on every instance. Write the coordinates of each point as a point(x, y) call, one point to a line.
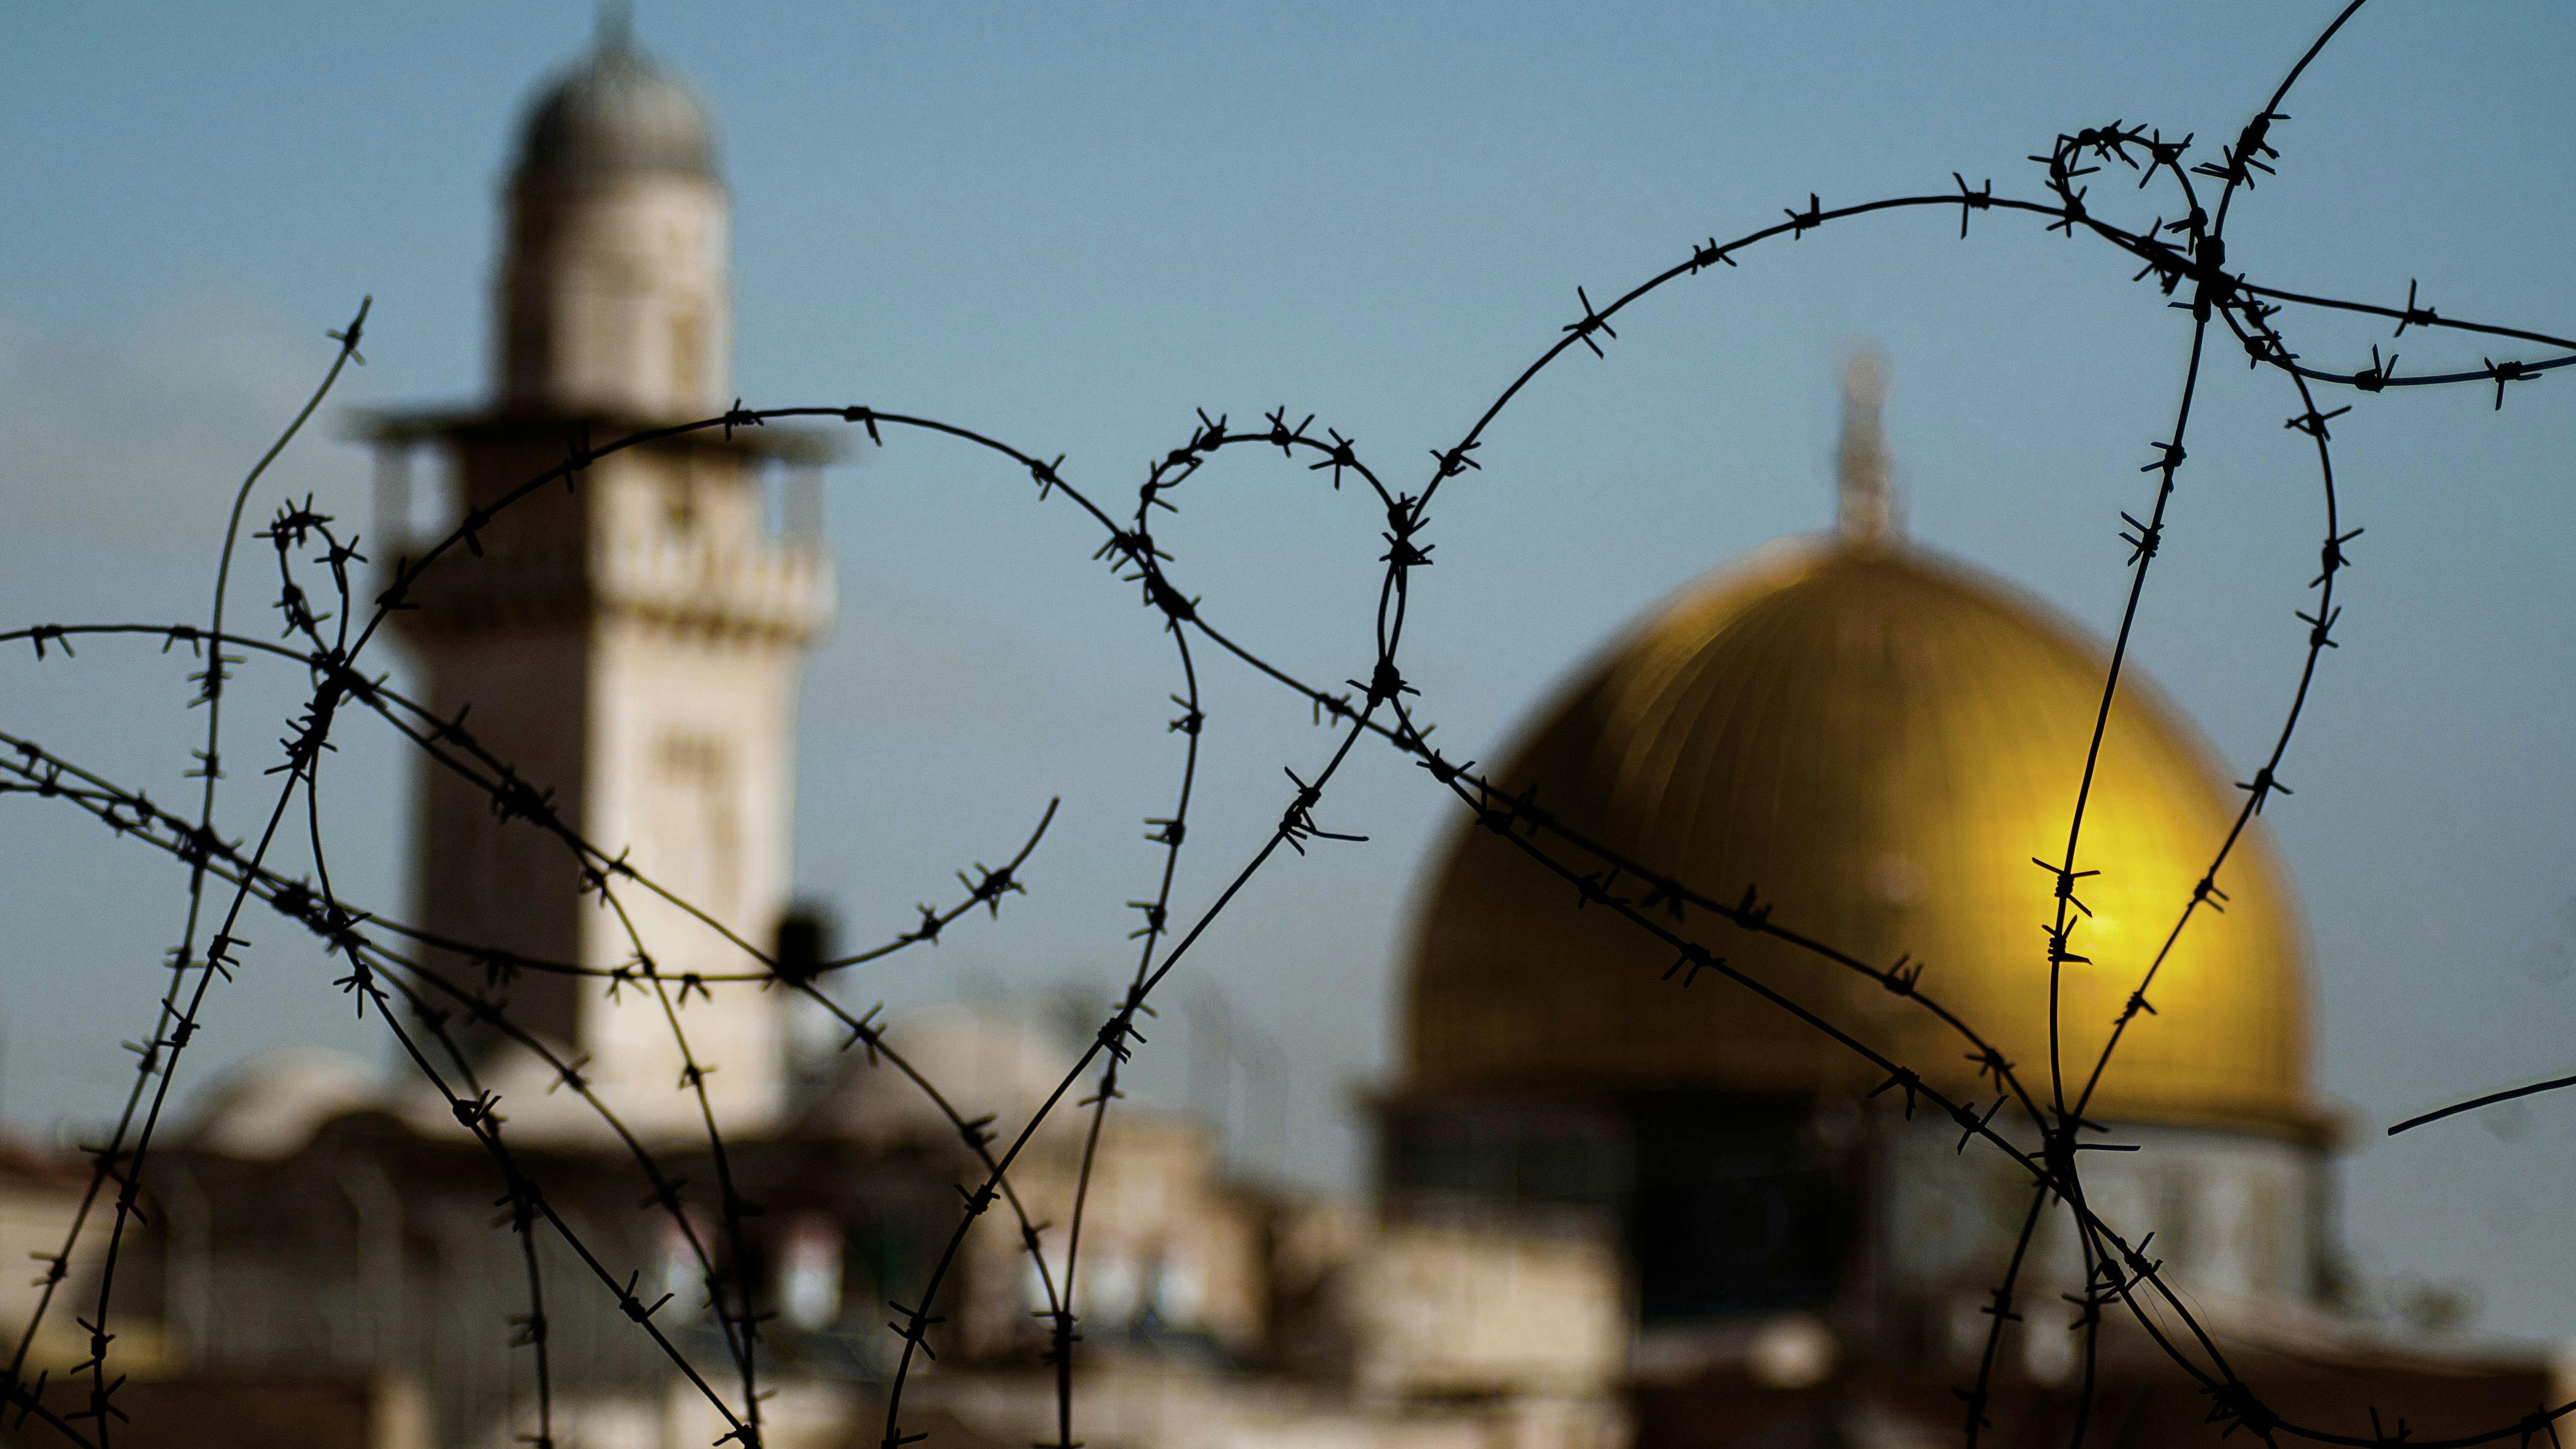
point(783, 589)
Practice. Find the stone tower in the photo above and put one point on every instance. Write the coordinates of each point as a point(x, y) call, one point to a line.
point(631, 644)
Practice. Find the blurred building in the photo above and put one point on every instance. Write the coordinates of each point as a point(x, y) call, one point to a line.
point(1613, 1206)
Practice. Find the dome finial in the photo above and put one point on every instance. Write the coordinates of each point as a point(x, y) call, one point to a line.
point(616, 32)
point(1867, 514)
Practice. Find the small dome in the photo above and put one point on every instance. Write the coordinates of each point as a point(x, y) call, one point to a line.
point(617, 112)
point(266, 1108)
point(1878, 742)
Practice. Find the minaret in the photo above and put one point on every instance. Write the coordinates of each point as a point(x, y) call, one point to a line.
point(1867, 507)
point(632, 644)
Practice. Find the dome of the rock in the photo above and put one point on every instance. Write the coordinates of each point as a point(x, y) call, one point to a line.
point(1877, 743)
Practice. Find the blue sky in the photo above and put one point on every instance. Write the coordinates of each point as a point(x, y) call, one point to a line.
point(1073, 225)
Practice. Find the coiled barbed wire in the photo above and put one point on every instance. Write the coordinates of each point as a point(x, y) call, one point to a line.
point(1373, 705)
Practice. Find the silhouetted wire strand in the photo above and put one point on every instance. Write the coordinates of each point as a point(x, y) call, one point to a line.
point(2509, 1094)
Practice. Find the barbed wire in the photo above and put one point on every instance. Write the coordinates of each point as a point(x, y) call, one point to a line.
point(422, 1005)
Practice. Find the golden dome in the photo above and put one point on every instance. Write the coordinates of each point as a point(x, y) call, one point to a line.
point(1878, 742)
